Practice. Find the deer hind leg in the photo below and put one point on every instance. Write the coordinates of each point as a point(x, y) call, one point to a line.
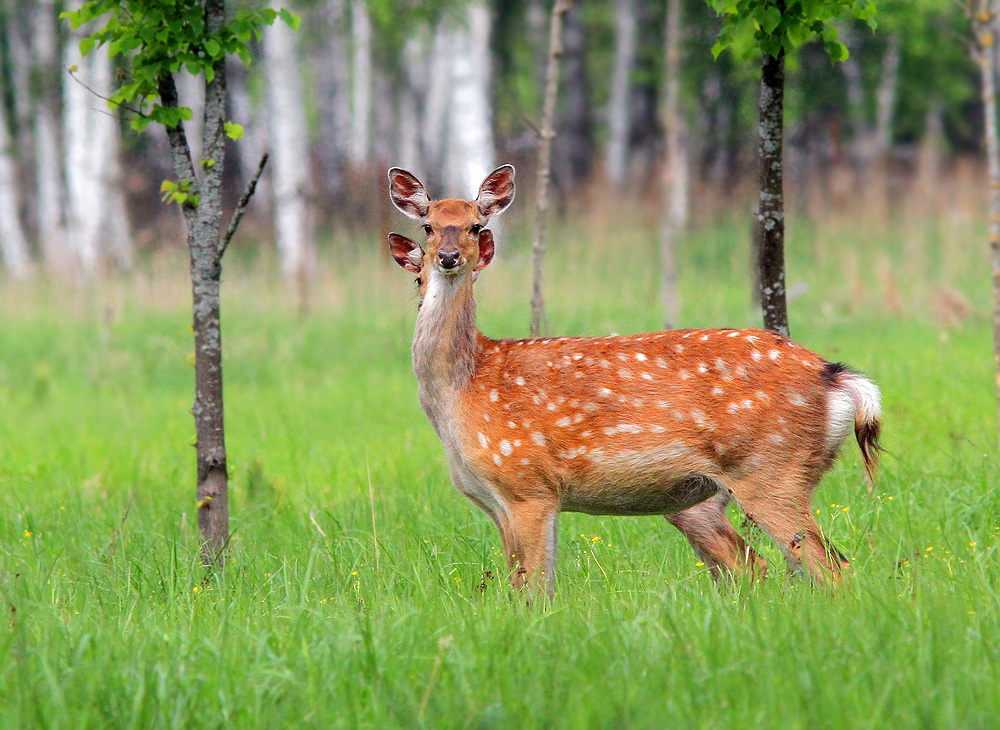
point(529, 542)
point(781, 507)
point(714, 540)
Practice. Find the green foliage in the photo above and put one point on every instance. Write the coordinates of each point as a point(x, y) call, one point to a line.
point(161, 37)
point(180, 193)
point(771, 26)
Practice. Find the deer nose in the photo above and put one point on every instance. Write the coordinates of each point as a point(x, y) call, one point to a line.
point(448, 259)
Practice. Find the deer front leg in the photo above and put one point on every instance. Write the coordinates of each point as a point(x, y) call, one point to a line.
point(714, 540)
point(529, 543)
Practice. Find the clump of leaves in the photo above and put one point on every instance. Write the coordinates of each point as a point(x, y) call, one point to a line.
point(771, 26)
point(159, 37)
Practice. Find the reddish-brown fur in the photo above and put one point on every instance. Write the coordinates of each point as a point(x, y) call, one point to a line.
point(671, 423)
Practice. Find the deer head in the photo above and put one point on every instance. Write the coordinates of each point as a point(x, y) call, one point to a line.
point(458, 242)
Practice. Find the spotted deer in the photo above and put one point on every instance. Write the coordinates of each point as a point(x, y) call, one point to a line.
point(674, 423)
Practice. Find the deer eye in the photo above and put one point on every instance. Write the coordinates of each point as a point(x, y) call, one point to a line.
point(427, 229)
point(476, 228)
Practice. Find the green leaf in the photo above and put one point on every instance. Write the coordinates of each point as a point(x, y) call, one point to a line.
point(233, 130)
point(86, 45)
point(212, 48)
point(837, 51)
point(291, 19)
point(769, 19)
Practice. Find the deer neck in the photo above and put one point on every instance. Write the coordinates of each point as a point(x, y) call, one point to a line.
point(444, 343)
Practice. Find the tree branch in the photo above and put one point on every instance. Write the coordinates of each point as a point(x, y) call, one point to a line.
point(241, 207)
point(180, 151)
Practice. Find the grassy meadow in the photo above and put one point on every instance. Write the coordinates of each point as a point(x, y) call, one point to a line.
point(109, 620)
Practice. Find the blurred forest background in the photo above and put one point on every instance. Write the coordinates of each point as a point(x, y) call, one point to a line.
point(449, 89)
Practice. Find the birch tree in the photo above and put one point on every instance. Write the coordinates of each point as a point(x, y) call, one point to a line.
point(618, 107)
point(361, 84)
point(165, 38)
point(290, 169)
point(984, 16)
point(13, 241)
point(50, 190)
point(775, 28)
point(675, 168)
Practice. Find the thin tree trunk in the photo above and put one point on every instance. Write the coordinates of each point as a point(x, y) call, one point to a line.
point(885, 97)
point(203, 224)
point(771, 210)
point(674, 211)
point(559, 10)
point(49, 208)
point(13, 242)
point(618, 109)
point(291, 154)
point(361, 84)
point(985, 27)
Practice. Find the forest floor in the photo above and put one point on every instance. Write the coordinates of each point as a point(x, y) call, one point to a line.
point(110, 621)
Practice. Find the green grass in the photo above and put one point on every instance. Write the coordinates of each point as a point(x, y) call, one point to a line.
point(110, 621)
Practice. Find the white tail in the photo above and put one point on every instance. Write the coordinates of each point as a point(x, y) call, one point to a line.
point(672, 423)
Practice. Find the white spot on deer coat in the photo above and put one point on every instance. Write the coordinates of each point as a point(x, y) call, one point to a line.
point(497, 460)
point(519, 380)
point(640, 357)
point(483, 441)
point(494, 396)
point(538, 438)
point(563, 422)
point(505, 447)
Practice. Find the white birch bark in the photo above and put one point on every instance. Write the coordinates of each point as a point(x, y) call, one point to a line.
point(618, 109)
point(675, 168)
point(361, 84)
point(49, 206)
point(470, 132)
point(13, 242)
point(290, 144)
point(83, 202)
point(408, 100)
point(97, 226)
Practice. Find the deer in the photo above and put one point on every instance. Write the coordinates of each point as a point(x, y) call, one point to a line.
point(675, 423)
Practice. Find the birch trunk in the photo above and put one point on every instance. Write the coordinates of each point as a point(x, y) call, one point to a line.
point(559, 10)
point(83, 190)
point(203, 224)
point(361, 84)
point(674, 210)
point(13, 242)
point(985, 27)
point(771, 210)
point(50, 191)
point(618, 109)
point(434, 124)
point(469, 138)
point(290, 144)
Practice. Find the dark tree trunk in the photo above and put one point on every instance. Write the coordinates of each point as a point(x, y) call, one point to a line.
point(203, 222)
point(771, 210)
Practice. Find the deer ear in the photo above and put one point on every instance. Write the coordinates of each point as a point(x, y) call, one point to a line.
point(496, 192)
point(406, 253)
point(486, 249)
point(408, 193)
